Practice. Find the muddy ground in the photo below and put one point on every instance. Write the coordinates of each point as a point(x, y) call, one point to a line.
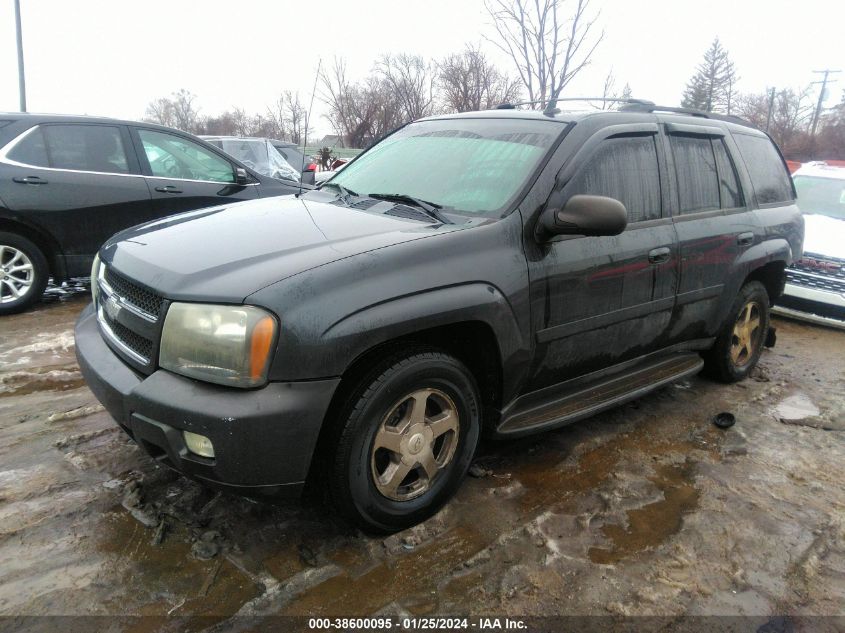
point(647, 509)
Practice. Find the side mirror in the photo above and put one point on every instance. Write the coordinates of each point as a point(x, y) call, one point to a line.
point(583, 215)
point(241, 176)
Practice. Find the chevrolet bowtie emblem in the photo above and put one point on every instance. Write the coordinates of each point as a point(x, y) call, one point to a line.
point(113, 307)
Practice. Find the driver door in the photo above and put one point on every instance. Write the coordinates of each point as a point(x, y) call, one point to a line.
point(183, 175)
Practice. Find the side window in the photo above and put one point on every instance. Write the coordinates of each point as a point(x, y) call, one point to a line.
point(767, 171)
point(78, 147)
point(31, 150)
point(695, 164)
point(172, 156)
point(626, 169)
point(728, 181)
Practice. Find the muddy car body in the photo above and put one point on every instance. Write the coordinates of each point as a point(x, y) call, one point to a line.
point(571, 263)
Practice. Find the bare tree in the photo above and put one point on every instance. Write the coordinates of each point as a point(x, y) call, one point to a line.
point(185, 115)
point(547, 47)
point(469, 82)
point(160, 111)
point(296, 117)
point(360, 112)
point(411, 80)
point(788, 121)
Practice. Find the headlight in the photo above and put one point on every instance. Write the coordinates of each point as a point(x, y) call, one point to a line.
point(95, 271)
point(229, 345)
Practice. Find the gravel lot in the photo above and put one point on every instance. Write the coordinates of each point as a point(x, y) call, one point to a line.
point(645, 510)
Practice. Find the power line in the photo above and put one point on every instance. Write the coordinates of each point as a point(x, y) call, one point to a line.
point(818, 112)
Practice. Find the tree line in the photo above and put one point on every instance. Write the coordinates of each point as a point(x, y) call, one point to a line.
point(787, 114)
point(548, 43)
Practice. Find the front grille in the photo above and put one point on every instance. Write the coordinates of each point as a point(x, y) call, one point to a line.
point(143, 347)
point(133, 294)
point(129, 316)
point(817, 281)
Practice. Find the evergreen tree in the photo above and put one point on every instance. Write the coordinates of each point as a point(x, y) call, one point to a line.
point(712, 87)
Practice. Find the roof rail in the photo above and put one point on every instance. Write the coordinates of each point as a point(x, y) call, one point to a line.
point(651, 107)
point(551, 102)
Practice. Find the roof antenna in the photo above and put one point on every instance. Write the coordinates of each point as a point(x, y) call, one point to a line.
point(307, 123)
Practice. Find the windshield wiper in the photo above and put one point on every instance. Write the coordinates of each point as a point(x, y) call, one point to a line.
point(344, 192)
point(431, 209)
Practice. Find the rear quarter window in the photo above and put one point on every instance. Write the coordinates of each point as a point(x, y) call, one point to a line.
point(766, 169)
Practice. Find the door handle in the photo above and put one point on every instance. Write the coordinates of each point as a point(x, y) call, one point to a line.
point(30, 180)
point(659, 255)
point(745, 239)
point(168, 189)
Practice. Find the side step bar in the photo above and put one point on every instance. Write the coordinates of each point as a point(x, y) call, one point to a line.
point(581, 400)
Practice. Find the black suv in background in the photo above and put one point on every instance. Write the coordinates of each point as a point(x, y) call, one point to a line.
point(67, 183)
point(502, 272)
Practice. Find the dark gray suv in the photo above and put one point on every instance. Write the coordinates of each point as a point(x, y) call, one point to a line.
point(503, 272)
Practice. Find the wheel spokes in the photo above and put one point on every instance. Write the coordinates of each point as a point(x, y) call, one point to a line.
point(419, 400)
point(393, 476)
point(443, 423)
point(429, 464)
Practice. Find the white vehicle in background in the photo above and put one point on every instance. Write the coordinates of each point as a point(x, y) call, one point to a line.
point(815, 284)
point(258, 154)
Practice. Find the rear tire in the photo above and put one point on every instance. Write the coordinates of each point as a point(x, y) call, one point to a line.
point(740, 341)
point(23, 273)
point(406, 438)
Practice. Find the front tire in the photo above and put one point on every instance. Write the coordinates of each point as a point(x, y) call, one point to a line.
point(23, 273)
point(407, 437)
point(740, 342)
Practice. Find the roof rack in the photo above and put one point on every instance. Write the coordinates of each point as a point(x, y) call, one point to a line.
point(551, 103)
point(652, 107)
point(631, 105)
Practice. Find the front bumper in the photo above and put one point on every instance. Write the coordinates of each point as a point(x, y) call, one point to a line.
point(812, 304)
point(263, 439)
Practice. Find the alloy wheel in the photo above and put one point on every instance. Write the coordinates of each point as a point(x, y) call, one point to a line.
point(16, 274)
point(746, 334)
point(414, 443)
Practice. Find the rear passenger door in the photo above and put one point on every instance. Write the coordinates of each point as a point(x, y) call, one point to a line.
point(608, 299)
point(714, 225)
point(79, 182)
point(183, 175)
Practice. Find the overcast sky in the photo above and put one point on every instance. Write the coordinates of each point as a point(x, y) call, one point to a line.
point(109, 57)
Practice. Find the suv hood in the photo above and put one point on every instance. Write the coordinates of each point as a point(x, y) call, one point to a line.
point(824, 235)
point(226, 253)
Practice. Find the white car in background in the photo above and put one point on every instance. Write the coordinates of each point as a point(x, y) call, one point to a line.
point(815, 284)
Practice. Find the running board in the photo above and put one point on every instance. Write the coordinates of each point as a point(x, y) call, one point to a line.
point(574, 400)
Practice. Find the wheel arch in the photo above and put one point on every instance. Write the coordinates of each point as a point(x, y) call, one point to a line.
point(473, 342)
point(43, 240)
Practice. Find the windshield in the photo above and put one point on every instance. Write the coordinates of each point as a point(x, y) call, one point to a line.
point(824, 196)
point(471, 166)
point(261, 156)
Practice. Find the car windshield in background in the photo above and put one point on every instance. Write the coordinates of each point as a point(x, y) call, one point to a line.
point(261, 156)
point(471, 166)
point(823, 196)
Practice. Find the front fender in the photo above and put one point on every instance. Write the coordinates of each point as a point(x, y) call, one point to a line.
point(354, 334)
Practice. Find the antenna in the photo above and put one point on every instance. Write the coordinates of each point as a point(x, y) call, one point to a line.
point(307, 122)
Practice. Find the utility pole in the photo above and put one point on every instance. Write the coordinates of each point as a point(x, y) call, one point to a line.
point(21, 79)
point(817, 114)
point(771, 108)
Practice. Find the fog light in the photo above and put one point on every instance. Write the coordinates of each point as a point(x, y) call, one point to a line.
point(198, 444)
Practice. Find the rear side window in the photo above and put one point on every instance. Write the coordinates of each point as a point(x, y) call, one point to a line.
point(767, 171)
point(78, 147)
point(31, 150)
point(626, 169)
point(698, 181)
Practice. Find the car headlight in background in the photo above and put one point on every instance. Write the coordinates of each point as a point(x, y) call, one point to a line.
point(228, 345)
point(95, 271)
